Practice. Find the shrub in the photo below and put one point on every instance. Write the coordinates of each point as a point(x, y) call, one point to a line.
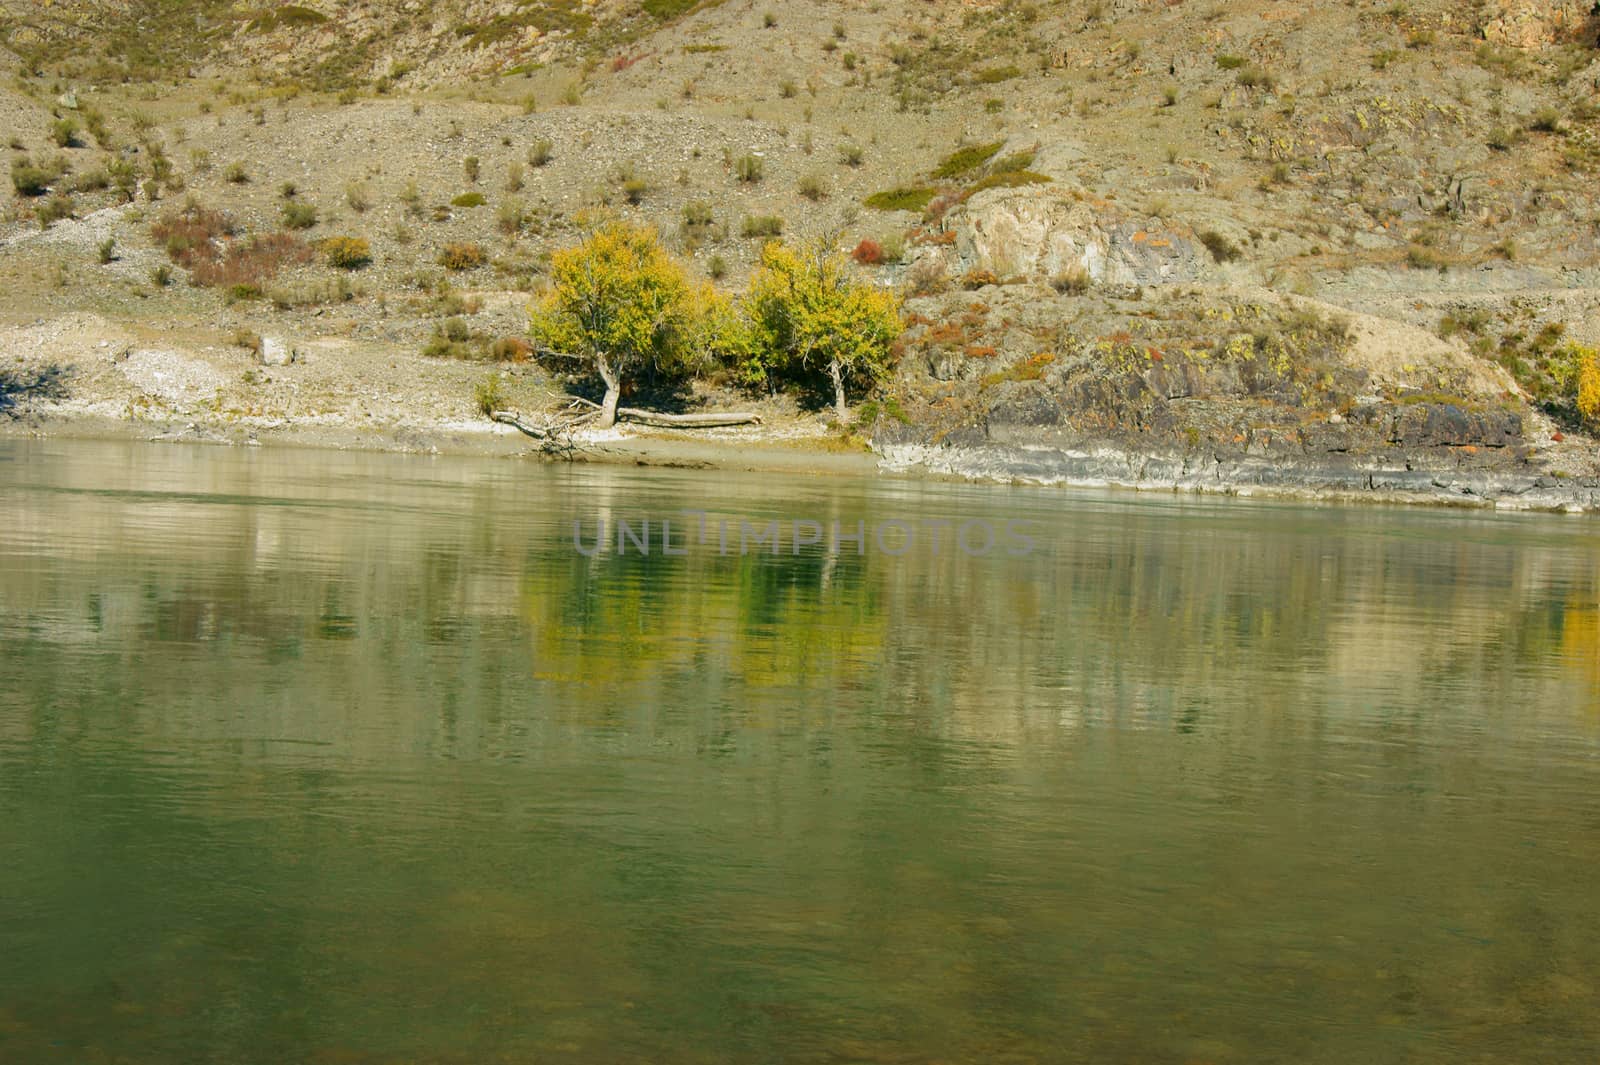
point(717, 267)
point(1008, 179)
point(1422, 257)
point(462, 256)
point(995, 75)
point(976, 279)
point(901, 199)
point(469, 199)
point(697, 215)
point(250, 263)
point(1253, 77)
point(107, 250)
point(65, 133)
point(512, 218)
point(850, 155)
point(512, 349)
point(634, 189)
point(346, 253)
point(489, 396)
point(236, 174)
point(868, 253)
point(812, 188)
point(967, 160)
point(357, 197)
point(470, 167)
point(761, 226)
point(93, 181)
point(1073, 281)
point(1221, 248)
point(31, 180)
point(1546, 120)
point(299, 215)
point(748, 169)
point(540, 153)
point(190, 235)
point(1230, 62)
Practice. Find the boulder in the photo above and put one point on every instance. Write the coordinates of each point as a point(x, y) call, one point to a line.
point(276, 351)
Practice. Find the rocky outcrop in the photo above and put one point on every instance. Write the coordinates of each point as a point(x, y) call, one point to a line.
point(1051, 232)
point(1322, 476)
point(1536, 23)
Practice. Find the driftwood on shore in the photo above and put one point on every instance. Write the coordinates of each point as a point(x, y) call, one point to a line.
point(538, 432)
point(712, 420)
point(565, 423)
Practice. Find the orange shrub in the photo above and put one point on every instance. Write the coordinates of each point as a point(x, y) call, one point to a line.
point(868, 253)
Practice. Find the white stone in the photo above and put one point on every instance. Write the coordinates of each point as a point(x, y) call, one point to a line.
point(276, 351)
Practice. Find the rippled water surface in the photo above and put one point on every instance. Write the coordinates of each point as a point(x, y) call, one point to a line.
point(310, 757)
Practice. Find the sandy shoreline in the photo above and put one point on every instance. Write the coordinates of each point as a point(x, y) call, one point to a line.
point(758, 451)
point(738, 450)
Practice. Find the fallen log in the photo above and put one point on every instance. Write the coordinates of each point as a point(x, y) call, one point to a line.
point(629, 414)
point(686, 421)
point(505, 417)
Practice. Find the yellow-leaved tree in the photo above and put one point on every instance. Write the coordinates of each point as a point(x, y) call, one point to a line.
point(1589, 388)
point(619, 301)
point(808, 315)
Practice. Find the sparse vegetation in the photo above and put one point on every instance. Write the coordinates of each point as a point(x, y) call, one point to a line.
point(35, 180)
point(761, 226)
point(299, 215)
point(346, 253)
point(1221, 248)
point(901, 199)
point(966, 160)
point(749, 168)
point(462, 255)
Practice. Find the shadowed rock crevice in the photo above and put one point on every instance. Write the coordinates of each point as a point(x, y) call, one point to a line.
point(17, 387)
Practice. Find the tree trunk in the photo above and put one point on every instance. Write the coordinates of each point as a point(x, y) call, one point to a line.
point(837, 373)
point(608, 406)
point(686, 421)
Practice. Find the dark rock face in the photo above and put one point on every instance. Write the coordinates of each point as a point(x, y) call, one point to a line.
point(1388, 478)
point(1231, 427)
point(1448, 425)
point(1029, 408)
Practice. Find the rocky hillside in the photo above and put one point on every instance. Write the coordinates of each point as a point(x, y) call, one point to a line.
point(1302, 232)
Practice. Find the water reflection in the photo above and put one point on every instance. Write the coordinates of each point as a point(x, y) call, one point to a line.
point(347, 758)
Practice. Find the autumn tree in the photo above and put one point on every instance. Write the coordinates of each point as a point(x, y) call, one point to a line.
point(619, 301)
point(1588, 387)
point(806, 314)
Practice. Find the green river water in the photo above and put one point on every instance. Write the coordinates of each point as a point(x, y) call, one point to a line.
point(321, 758)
